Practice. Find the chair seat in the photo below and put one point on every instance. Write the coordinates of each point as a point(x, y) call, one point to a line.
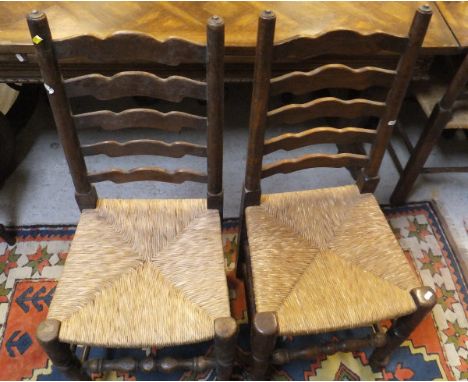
point(326, 260)
point(428, 93)
point(143, 273)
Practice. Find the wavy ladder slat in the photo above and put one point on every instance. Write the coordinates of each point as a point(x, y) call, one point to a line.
point(144, 147)
point(341, 42)
point(318, 135)
point(135, 83)
point(332, 76)
point(325, 107)
point(286, 166)
point(139, 118)
point(148, 173)
point(128, 46)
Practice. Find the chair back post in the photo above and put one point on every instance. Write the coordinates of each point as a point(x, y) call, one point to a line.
point(215, 111)
point(251, 191)
point(440, 116)
point(456, 86)
point(85, 192)
point(259, 107)
point(369, 179)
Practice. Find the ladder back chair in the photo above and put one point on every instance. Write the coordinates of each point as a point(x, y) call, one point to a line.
point(324, 260)
point(446, 108)
point(139, 273)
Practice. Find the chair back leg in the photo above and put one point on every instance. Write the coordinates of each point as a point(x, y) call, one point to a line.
point(429, 137)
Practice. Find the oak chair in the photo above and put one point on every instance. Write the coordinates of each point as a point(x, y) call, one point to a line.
point(139, 273)
point(446, 108)
point(324, 260)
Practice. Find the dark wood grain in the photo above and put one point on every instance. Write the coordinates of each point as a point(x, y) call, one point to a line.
point(129, 46)
point(225, 346)
point(144, 147)
point(172, 121)
point(286, 166)
point(148, 173)
point(59, 352)
point(215, 111)
point(397, 92)
point(264, 331)
point(318, 135)
point(259, 103)
point(342, 42)
point(135, 83)
point(325, 107)
point(85, 193)
point(332, 76)
point(283, 356)
point(149, 364)
point(257, 122)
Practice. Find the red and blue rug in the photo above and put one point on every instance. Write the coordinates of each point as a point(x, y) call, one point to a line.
point(436, 350)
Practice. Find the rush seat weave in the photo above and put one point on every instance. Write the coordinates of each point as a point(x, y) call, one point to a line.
point(326, 260)
point(428, 93)
point(143, 273)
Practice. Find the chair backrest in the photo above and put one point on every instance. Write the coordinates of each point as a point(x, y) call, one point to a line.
point(337, 76)
point(131, 47)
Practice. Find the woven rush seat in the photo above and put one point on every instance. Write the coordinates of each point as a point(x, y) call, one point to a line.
point(428, 93)
point(326, 260)
point(143, 273)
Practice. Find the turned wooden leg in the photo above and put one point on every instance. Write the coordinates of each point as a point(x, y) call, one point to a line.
point(429, 137)
point(263, 341)
point(10, 239)
point(425, 299)
point(225, 347)
point(59, 352)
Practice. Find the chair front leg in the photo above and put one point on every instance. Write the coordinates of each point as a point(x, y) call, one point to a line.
point(5, 235)
point(263, 341)
point(425, 299)
point(225, 347)
point(59, 352)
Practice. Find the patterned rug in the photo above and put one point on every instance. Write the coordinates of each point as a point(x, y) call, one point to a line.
point(436, 350)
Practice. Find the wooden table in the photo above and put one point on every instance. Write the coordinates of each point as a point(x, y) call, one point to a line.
point(187, 20)
point(455, 14)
